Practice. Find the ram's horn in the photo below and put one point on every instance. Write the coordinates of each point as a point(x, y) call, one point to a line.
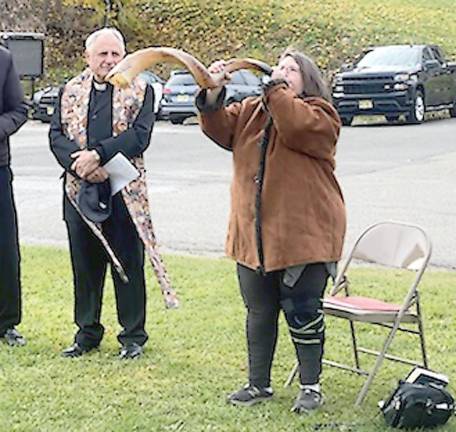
point(133, 64)
point(248, 63)
point(236, 64)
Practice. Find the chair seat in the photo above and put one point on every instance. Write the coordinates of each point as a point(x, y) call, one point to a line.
point(364, 309)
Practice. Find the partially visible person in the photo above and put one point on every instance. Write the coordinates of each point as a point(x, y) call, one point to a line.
point(93, 122)
point(287, 220)
point(13, 114)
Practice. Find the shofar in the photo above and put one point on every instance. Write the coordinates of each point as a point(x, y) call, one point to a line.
point(133, 64)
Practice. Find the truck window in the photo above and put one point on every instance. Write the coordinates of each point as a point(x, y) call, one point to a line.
point(438, 55)
point(427, 55)
point(252, 80)
point(237, 79)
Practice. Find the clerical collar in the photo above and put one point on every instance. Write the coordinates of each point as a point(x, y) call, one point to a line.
point(99, 86)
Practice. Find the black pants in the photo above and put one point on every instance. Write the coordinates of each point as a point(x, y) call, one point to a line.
point(264, 296)
point(10, 285)
point(89, 261)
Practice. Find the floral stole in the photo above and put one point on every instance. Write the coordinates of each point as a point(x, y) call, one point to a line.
point(126, 105)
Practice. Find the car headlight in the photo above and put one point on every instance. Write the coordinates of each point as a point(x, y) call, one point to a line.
point(401, 86)
point(402, 77)
point(337, 79)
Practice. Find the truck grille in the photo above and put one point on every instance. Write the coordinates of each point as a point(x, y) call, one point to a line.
point(368, 85)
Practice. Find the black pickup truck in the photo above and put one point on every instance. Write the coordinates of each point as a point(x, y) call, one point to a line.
point(394, 80)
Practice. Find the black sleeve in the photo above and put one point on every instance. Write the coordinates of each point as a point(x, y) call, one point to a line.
point(14, 107)
point(204, 107)
point(61, 146)
point(135, 140)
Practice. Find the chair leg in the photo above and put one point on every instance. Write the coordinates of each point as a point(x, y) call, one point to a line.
point(292, 375)
point(421, 331)
point(355, 345)
point(362, 394)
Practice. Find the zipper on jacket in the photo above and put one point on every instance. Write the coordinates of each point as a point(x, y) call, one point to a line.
point(259, 180)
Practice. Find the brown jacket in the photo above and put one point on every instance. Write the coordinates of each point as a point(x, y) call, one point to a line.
point(302, 208)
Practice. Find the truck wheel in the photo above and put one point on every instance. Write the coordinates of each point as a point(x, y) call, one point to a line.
point(176, 120)
point(417, 110)
point(391, 118)
point(453, 109)
point(346, 121)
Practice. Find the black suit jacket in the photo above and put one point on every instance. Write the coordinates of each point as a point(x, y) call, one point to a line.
point(13, 109)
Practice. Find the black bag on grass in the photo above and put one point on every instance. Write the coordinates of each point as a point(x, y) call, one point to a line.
point(415, 405)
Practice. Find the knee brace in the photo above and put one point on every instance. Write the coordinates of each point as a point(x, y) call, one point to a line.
point(305, 321)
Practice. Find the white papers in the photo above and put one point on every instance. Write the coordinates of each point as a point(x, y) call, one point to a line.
point(121, 172)
point(425, 376)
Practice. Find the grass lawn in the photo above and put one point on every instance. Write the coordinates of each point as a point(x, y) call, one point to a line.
point(194, 357)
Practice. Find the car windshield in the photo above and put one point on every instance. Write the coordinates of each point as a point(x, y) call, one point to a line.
point(181, 79)
point(150, 77)
point(236, 78)
point(391, 56)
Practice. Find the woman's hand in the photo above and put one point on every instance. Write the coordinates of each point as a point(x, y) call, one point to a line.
point(277, 74)
point(218, 70)
point(217, 67)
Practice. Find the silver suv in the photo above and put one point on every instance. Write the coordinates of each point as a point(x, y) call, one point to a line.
point(178, 101)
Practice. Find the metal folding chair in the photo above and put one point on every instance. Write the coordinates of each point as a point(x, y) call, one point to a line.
point(390, 244)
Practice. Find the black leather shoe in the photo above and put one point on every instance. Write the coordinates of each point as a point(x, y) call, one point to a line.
point(131, 351)
point(76, 350)
point(13, 338)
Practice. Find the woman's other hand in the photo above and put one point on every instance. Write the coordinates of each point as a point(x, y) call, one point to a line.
point(277, 73)
point(217, 67)
point(219, 73)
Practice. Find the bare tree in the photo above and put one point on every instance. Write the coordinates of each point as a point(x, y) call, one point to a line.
point(21, 15)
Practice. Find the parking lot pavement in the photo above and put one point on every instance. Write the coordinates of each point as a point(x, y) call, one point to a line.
point(386, 172)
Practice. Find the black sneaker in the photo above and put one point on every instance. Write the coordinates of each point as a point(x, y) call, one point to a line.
point(307, 400)
point(76, 350)
point(13, 338)
point(131, 351)
point(250, 395)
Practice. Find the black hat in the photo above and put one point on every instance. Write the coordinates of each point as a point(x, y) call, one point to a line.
point(95, 201)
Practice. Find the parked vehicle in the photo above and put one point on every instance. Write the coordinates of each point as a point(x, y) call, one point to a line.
point(157, 83)
point(394, 80)
point(44, 100)
point(178, 101)
point(43, 103)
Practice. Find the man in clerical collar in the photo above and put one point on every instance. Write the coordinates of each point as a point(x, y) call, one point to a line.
point(92, 123)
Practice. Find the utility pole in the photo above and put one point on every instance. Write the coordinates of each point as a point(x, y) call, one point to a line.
point(108, 7)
